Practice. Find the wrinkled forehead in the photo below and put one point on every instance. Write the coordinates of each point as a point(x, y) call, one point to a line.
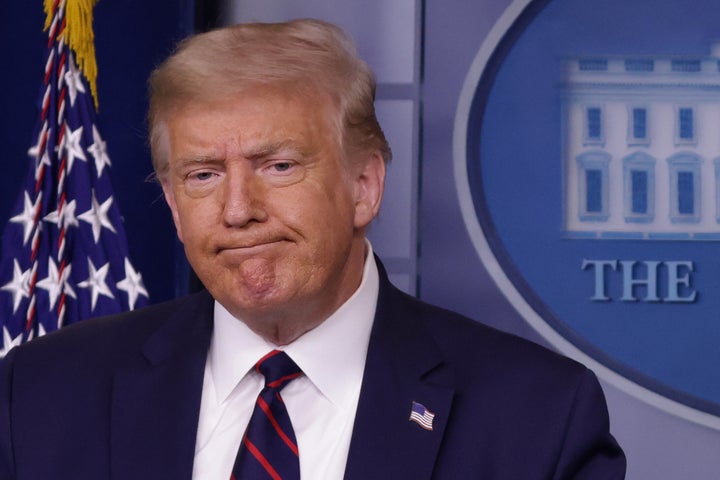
point(255, 121)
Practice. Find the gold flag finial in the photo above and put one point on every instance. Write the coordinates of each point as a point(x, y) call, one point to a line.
point(79, 35)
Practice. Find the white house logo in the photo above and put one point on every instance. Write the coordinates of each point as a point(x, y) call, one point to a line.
point(588, 173)
point(642, 147)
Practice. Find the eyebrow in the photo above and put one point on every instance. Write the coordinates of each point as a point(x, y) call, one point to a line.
point(198, 159)
point(271, 148)
point(252, 153)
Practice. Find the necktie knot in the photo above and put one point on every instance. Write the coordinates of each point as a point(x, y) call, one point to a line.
point(278, 369)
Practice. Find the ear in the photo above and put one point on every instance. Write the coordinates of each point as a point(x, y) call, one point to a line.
point(369, 187)
point(170, 199)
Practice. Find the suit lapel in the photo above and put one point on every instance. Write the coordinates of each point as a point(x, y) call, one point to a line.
point(403, 366)
point(155, 407)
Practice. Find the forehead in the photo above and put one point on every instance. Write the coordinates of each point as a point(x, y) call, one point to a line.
point(261, 115)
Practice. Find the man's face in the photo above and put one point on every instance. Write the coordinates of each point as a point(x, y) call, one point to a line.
point(271, 214)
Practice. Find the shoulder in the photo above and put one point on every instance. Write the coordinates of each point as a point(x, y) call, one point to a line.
point(529, 401)
point(110, 338)
point(476, 350)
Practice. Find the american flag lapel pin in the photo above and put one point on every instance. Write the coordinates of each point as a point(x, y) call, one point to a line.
point(422, 416)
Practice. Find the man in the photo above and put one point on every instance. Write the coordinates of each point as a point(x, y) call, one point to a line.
point(265, 142)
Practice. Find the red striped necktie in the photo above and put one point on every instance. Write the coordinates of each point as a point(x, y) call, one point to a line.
point(269, 449)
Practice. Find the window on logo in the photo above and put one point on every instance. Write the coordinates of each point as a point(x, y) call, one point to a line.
point(686, 124)
point(594, 124)
point(639, 65)
point(686, 195)
point(684, 187)
point(593, 184)
point(639, 123)
point(639, 192)
point(686, 66)
point(593, 64)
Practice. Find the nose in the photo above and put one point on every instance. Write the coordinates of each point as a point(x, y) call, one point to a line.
point(243, 197)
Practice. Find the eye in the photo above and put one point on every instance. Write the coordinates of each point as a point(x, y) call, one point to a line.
point(201, 176)
point(282, 171)
point(281, 167)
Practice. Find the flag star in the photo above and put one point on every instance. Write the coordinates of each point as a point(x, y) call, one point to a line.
point(132, 284)
point(64, 219)
point(74, 82)
point(99, 150)
point(34, 151)
point(9, 342)
point(19, 286)
point(27, 217)
point(96, 282)
point(56, 283)
point(71, 144)
point(97, 216)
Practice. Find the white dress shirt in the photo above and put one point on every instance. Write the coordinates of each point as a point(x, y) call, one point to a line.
point(321, 404)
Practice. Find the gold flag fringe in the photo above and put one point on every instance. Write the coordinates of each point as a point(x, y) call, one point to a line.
point(79, 35)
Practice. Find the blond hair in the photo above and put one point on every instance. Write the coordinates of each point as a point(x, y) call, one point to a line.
point(310, 56)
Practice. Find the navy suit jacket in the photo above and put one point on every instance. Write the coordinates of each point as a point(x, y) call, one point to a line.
point(118, 398)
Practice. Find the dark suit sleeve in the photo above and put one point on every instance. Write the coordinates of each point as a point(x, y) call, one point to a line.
point(589, 450)
point(7, 468)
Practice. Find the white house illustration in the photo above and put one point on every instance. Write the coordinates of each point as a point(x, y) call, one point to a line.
point(641, 147)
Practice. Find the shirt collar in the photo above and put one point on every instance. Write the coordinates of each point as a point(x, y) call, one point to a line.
point(332, 355)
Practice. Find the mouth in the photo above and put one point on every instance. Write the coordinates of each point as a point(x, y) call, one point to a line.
point(250, 248)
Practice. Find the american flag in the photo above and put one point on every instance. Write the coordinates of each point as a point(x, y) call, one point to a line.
point(421, 415)
point(64, 254)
